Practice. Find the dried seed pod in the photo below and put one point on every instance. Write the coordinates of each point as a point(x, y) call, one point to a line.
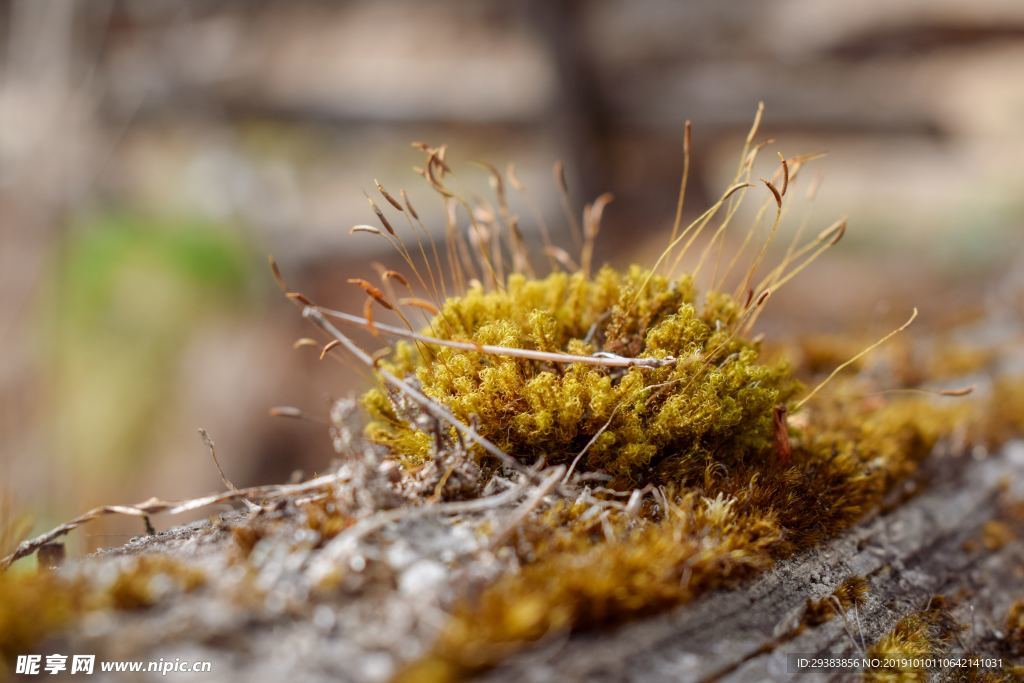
point(377, 295)
point(422, 304)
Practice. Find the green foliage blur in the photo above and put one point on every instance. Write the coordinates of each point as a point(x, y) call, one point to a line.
point(131, 290)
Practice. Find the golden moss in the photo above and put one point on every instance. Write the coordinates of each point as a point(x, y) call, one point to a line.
point(323, 518)
point(743, 484)
point(996, 535)
point(927, 633)
point(933, 632)
point(1015, 628)
point(662, 424)
point(581, 577)
point(852, 592)
point(245, 538)
point(732, 525)
point(951, 361)
point(823, 352)
point(37, 605)
point(1003, 416)
point(32, 606)
point(149, 578)
point(737, 486)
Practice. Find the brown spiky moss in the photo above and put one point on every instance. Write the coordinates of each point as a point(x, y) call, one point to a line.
point(1014, 639)
point(996, 534)
point(851, 593)
point(932, 633)
point(923, 634)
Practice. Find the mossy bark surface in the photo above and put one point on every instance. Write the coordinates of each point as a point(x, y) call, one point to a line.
point(934, 537)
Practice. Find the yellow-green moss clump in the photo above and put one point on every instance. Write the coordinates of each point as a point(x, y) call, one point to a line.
point(714, 403)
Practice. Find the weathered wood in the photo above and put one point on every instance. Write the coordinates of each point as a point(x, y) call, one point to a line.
point(273, 623)
point(909, 554)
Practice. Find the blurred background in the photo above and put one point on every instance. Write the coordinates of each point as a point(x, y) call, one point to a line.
point(153, 152)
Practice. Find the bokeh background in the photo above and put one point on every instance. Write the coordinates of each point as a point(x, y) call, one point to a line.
point(152, 152)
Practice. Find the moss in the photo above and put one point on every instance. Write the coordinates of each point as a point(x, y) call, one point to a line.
point(933, 631)
point(579, 576)
point(951, 361)
point(37, 605)
point(852, 592)
point(996, 535)
point(325, 519)
point(823, 352)
point(735, 485)
point(1007, 646)
point(927, 633)
point(1014, 639)
point(1003, 416)
point(148, 579)
point(732, 525)
point(658, 425)
point(33, 606)
point(739, 485)
point(245, 537)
